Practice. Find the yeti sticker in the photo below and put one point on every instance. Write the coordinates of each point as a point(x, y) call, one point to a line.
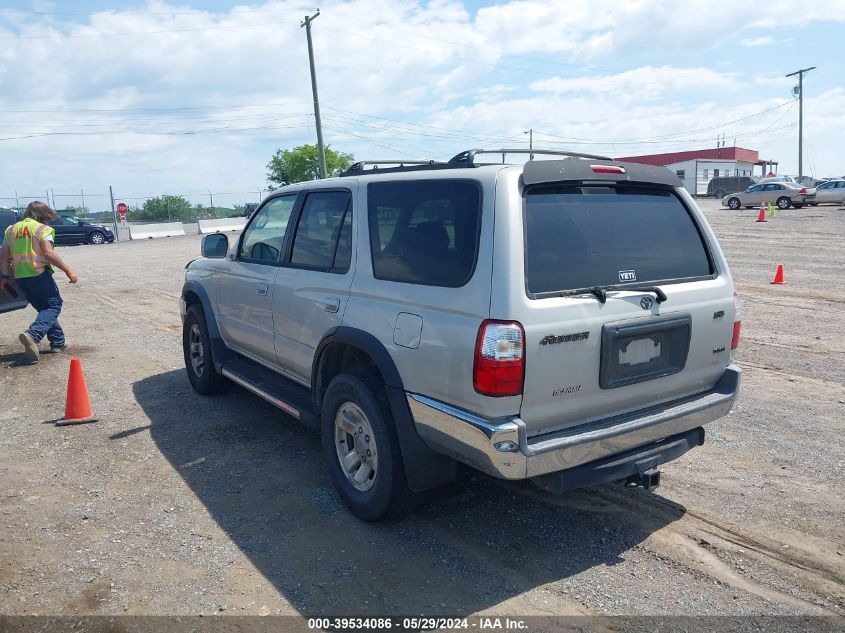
point(627, 275)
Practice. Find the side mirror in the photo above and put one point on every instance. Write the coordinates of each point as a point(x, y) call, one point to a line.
point(80, 222)
point(215, 245)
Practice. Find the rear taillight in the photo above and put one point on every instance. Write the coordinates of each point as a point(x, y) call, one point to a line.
point(737, 323)
point(499, 366)
point(803, 190)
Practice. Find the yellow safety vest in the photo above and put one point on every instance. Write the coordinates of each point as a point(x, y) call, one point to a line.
point(24, 241)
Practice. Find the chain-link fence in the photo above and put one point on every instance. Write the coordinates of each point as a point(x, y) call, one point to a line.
point(96, 207)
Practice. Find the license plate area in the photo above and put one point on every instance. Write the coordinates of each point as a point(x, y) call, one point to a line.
point(633, 352)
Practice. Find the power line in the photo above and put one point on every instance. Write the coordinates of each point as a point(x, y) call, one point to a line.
point(27, 37)
point(160, 108)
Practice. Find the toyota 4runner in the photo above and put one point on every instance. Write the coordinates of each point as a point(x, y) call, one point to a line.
point(568, 321)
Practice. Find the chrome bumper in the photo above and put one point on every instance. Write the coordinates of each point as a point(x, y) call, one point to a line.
point(502, 448)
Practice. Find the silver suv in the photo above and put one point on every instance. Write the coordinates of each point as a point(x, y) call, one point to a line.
point(568, 321)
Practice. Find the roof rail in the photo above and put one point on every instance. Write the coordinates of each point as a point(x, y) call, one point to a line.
point(359, 167)
point(467, 158)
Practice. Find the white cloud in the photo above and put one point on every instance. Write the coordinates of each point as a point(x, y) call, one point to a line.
point(445, 78)
point(758, 41)
point(641, 83)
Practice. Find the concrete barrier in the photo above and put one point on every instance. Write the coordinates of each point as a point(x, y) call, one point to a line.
point(166, 229)
point(222, 225)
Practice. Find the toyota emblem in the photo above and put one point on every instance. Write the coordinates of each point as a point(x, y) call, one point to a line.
point(646, 303)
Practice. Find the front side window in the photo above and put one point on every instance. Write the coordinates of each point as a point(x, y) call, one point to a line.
point(323, 239)
point(264, 238)
point(425, 231)
point(581, 236)
point(755, 188)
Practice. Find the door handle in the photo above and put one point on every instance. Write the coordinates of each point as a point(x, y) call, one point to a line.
point(262, 289)
point(330, 304)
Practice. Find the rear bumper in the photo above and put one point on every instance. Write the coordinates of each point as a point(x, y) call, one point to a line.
point(633, 463)
point(502, 448)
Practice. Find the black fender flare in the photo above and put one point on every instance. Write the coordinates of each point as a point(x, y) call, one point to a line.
point(424, 467)
point(220, 352)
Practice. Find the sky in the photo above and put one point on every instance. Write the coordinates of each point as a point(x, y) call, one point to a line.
point(193, 98)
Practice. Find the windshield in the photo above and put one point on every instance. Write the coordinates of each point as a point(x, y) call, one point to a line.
point(580, 237)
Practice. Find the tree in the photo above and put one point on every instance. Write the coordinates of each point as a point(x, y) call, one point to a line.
point(163, 209)
point(303, 163)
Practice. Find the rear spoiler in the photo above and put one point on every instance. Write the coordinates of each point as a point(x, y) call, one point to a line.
point(579, 170)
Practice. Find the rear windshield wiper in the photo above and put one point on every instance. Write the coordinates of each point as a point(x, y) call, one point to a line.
point(600, 292)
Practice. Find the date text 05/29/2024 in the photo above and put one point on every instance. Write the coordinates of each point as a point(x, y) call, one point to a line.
point(420, 623)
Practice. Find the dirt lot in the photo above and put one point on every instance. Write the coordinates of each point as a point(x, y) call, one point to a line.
point(178, 504)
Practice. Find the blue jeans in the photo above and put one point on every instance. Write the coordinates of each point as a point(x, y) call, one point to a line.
point(43, 294)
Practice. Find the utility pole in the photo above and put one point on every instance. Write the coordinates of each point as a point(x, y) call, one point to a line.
point(17, 202)
point(800, 74)
point(319, 125)
point(530, 133)
point(113, 214)
point(211, 198)
point(83, 201)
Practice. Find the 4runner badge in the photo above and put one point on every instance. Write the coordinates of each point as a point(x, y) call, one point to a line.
point(551, 339)
point(627, 275)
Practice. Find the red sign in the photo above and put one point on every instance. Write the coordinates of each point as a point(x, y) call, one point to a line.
point(122, 209)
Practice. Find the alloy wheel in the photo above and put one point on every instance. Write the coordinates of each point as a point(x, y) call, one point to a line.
point(356, 446)
point(195, 350)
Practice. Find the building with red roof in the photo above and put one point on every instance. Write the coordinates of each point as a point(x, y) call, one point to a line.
point(697, 167)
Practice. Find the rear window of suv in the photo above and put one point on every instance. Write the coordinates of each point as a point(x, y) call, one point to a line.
point(424, 231)
point(581, 237)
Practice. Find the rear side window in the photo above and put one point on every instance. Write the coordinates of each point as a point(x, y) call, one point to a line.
point(424, 232)
point(580, 237)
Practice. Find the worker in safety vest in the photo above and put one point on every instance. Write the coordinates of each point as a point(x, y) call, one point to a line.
point(27, 254)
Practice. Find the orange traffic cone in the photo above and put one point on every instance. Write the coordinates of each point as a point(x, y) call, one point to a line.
point(78, 405)
point(761, 217)
point(779, 276)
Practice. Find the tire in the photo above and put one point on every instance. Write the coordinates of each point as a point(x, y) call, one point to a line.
point(356, 422)
point(96, 237)
point(734, 204)
point(783, 202)
point(720, 193)
point(199, 362)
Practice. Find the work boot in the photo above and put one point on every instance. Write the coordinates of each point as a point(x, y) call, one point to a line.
point(30, 347)
point(58, 349)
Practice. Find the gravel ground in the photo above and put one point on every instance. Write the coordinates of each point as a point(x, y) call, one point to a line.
point(177, 504)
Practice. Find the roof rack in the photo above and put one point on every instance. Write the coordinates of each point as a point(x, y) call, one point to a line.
point(459, 161)
point(468, 157)
point(391, 165)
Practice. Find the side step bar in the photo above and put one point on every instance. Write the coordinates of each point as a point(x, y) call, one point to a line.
point(290, 397)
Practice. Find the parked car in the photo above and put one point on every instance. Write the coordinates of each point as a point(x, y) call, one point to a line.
point(789, 179)
point(568, 321)
point(249, 209)
point(7, 217)
point(723, 185)
point(11, 298)
point(70, 230)
point(783, 194)
point(830, 192)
